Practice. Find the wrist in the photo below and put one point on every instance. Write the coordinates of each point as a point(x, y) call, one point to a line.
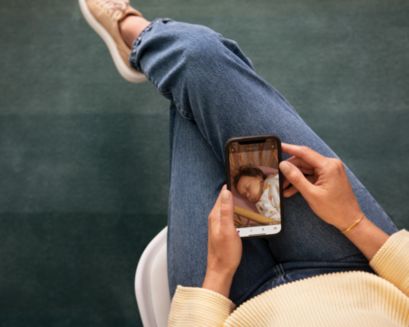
point(219, 282)
point(216, 269)
point(360, 228)
point(355, 224)
point(367, 237)
point(351, 222)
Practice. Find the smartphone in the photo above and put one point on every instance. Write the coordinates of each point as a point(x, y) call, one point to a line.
point(256, 182)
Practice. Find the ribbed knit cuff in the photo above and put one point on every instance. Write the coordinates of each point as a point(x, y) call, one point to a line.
point(391, 261)
point(195, 306)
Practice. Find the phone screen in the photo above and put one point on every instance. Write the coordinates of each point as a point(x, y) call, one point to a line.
point(255, 185)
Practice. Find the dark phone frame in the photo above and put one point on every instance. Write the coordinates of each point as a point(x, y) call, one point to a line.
point(257, 139)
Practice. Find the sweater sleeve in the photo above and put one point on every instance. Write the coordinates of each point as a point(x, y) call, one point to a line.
point(195, 306)
point(391, 261)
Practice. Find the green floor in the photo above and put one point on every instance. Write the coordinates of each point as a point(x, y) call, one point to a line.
point(82, 189)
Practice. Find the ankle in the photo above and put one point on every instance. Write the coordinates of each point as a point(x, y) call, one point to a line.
point(130, 28)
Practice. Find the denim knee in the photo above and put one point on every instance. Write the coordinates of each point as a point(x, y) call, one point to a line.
point(202, 48)
point(170, 48)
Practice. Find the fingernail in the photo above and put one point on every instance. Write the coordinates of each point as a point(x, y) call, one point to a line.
point(225, 195)
point(284, 166)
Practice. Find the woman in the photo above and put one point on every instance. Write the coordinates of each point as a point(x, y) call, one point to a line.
point(349, 267)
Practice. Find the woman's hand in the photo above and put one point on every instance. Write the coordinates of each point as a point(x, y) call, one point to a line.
point(325, 187)
point(224, 245)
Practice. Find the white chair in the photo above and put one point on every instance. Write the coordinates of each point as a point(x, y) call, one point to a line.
point(151, 283)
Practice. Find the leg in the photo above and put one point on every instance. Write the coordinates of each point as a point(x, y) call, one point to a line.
point(212, 83)
point(195, 172)
point(195, 180)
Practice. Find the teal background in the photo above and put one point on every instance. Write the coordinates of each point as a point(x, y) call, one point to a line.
point(84, 156)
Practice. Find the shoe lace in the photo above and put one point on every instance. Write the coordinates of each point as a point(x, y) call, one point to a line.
point(114, 8)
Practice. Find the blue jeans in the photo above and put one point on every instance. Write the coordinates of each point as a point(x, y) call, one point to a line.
point(216, 94)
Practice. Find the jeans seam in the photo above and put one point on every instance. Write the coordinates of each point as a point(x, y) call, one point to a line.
point(184, 113)
point(138, 41)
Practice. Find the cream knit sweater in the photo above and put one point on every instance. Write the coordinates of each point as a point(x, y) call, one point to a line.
point(336, 299)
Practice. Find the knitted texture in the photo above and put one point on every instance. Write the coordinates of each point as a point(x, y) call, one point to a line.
point(354, 298)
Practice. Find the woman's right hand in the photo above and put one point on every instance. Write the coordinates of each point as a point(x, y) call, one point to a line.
point(326, 188)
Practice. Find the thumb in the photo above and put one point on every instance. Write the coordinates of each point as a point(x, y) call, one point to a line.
point(226, 207)
point(295, 177)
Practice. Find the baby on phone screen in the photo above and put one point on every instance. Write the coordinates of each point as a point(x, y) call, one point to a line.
point(261, 189)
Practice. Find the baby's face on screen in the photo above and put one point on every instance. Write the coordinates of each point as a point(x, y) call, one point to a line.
point(250, 187)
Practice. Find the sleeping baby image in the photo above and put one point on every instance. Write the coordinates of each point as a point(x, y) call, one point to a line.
point(260, 189)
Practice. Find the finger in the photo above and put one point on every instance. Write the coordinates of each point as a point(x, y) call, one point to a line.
point(310, 156)
point(296, 178)
point(226, 208)
point(301, 164)
point(290, 192)
point(216, 207)
point(214, 215)
point(312, 178)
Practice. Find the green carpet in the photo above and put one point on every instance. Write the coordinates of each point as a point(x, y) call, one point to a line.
point(84, 156)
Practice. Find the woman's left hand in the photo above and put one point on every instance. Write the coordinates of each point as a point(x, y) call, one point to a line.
point(224, 245)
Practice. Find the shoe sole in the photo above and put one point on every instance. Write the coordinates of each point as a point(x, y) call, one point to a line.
point(123, 69)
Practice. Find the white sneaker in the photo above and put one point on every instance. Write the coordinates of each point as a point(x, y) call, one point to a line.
point(104, 17)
